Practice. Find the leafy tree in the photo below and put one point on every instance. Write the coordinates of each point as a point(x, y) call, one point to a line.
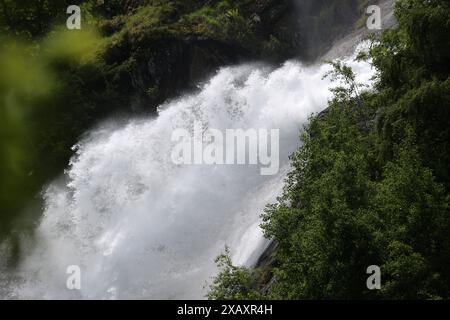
point(413, 211)
point(233, 283)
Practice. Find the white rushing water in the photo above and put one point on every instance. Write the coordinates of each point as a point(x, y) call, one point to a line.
point(142, 227)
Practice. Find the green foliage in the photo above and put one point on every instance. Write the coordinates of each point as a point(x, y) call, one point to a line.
point(414, 64)
point(45, 106)
point(344, 75)
point(370, 184)
point(29, 19)
point(320, 222)
point(217, 20)
point(415, 211)
point(233, 283)
point(23, 80)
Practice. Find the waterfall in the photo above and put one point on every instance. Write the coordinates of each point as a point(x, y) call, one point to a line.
point(140, 226)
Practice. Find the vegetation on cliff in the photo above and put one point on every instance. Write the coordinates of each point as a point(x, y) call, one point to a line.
point(370, 183)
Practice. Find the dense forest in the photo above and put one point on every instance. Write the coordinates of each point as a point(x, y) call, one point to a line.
point(370, 183)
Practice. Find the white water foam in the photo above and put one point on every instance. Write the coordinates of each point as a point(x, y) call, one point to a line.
point(141, 227)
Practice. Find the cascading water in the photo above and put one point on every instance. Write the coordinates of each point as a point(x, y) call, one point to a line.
point(140, 226)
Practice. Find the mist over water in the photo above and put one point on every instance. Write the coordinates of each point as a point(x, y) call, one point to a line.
point(141, 227)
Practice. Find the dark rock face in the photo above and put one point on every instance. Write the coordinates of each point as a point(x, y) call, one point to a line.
point(276, 19)
point(170, 67)
point(322, 22)
point(152, 69)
